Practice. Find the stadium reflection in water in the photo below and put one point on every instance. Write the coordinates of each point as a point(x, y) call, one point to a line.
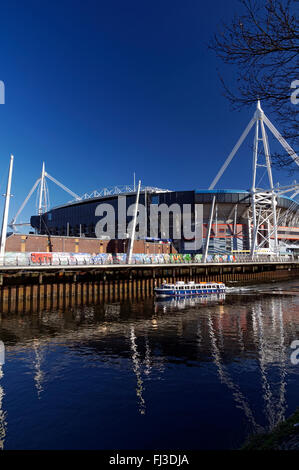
point(197, 373)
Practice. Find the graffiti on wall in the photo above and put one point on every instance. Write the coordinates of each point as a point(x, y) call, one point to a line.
point(44, 259)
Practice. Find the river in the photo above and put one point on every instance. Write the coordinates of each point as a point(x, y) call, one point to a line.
point(199, 373)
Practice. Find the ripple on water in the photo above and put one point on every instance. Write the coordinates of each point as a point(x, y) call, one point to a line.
point(201, 373)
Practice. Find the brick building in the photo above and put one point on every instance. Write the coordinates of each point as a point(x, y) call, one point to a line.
point(43, 243)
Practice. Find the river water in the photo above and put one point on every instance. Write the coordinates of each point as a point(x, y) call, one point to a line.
point(193, 374)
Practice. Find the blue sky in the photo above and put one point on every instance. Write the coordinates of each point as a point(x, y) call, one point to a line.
point(99, 90)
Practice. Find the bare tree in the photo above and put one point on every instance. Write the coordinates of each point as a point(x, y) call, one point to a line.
point(262, 45)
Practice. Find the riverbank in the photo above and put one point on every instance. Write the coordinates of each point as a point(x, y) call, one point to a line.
point(284, 437)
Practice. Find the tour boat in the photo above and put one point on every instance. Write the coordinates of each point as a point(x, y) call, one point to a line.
point(182, 289)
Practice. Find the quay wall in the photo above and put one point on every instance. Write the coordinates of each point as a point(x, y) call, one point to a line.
point(29, 290)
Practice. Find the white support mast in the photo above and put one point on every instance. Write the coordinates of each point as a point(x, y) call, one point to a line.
point(13, 222)
point(62, 186)
point(232, 154)
point(43, 200)
point(263, 203)
point(209, 230)
point(131, 241)
point(263, 233)
point(43, 195)
point(6, 209)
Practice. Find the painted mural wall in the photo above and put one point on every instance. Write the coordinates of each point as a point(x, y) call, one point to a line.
point(60, 259)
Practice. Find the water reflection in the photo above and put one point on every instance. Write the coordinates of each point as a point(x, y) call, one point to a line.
point(183, 303)
point(2, 413)
point(137, 370)
point(239, 398)
point(37, 366)
point(270, 344)
point(235, 334)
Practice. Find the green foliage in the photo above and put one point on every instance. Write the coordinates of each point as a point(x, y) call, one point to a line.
point(272, 440)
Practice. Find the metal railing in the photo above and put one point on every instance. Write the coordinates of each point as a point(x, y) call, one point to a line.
point(64, 261)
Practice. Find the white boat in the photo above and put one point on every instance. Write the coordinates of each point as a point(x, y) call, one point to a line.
point(182, 289)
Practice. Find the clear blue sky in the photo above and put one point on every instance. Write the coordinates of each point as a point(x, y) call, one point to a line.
point(100, 89)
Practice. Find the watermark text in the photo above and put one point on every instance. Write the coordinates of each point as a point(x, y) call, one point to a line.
point(295, 93)
point(2, 92)
point(295, 354)
point(174, 221)
point(2, 353)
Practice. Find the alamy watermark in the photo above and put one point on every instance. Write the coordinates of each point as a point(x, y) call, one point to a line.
point(2, 92)
point(2, 353)
point(295, 354)
point(295, 93)
point(159, 220)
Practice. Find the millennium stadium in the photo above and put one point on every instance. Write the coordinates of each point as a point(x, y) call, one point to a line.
point(228, 214)
point(257, 220)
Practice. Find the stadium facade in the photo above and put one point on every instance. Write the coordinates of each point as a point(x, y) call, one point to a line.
point(226, 214)
point(262, 220)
